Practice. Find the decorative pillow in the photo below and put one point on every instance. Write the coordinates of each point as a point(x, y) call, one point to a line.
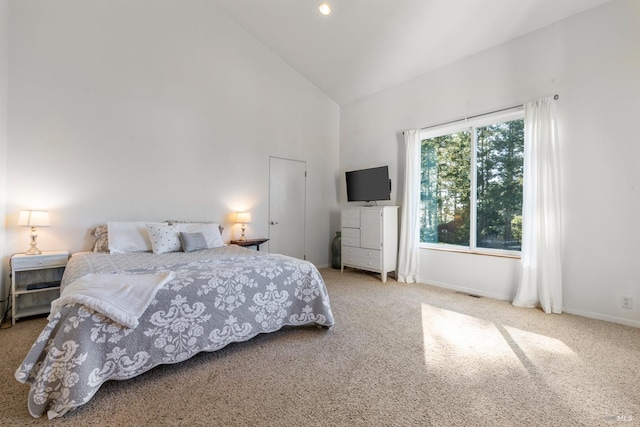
point(193, 242)
point(101, 243)
point(211, 231)
point(164, 238)
point(128, 236)
point(220, 227)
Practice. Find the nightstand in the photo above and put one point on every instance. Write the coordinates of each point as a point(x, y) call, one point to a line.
point(35, 282)
point(249, 242)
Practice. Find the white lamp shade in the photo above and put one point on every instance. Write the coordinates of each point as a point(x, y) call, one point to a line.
point(243, 217)
point(33, 219)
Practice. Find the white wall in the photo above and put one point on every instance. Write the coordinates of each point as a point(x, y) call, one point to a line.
point(593, 62)
point(123, 110)
point(4, 43)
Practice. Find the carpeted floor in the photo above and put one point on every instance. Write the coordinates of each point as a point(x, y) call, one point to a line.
point(398, 355)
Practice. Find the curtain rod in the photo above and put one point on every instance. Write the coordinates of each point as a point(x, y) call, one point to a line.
point(555, 97)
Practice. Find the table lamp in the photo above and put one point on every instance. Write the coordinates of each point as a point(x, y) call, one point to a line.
point(243, 218)
point(33, 219)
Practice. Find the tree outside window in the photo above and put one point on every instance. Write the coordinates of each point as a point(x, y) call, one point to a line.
point(493, 155)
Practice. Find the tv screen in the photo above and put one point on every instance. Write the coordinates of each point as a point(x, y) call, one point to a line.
point(368, 185)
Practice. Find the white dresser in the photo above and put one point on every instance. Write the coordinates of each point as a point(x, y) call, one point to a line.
point(370, 239)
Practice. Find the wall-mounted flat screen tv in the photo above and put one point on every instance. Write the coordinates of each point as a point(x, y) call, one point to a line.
point(368, 185)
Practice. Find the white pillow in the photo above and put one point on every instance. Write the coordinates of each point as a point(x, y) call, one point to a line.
point(128, 236)
point(164, 237)
point(211, 232)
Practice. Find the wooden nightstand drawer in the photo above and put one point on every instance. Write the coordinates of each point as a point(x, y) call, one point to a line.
point(45, 260)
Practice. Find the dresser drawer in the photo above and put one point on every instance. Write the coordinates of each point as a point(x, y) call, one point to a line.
point(370, 258)
point(44, 260)
point(357, 261)
point(351, 218)
point(351, 236)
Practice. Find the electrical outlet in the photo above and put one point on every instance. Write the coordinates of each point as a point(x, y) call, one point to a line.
point(627, 302)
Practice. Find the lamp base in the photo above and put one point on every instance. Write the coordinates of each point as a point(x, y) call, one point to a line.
point(34, 248)
point(33, 251)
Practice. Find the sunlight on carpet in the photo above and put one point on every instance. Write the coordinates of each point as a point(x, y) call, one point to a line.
point(463, 335)
point(532, 343)
point(531, 363)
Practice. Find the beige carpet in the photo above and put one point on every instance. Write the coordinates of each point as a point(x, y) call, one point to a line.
point(398, 355)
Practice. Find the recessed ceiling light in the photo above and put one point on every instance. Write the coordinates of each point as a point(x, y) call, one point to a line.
point(324, 8)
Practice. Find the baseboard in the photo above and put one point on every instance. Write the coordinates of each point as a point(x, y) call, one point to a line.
point(606, 318)
point(583, 313)
point(470, 291)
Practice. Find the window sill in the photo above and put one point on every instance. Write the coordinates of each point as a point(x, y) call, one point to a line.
point(500, 254)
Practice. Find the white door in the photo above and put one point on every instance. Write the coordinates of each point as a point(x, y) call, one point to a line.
point(287, 206)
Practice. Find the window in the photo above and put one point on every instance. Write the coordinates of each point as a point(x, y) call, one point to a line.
point(471, 184)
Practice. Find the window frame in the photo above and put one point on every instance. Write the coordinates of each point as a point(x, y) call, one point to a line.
point(470, 124)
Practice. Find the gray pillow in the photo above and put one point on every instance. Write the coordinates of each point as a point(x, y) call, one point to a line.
point(193, 242)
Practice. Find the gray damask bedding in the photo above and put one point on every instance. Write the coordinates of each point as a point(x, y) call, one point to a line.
point(218, 296)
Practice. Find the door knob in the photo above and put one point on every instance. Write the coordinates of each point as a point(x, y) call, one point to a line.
point(274, 222)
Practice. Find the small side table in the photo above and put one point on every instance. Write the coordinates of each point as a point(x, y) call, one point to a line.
point(35, 282)
point(249, 242)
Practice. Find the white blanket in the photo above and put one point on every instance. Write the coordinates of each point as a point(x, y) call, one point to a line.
point(121, 297)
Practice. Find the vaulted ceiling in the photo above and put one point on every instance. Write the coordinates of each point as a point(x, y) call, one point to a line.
point(365, 46)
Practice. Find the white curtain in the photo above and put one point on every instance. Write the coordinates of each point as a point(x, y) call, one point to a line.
point(408, 256)
point(541, 280)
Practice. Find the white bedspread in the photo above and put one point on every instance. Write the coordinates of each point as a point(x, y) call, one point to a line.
point(121, 297)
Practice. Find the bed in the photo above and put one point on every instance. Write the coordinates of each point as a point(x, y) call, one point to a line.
point(215, 297)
